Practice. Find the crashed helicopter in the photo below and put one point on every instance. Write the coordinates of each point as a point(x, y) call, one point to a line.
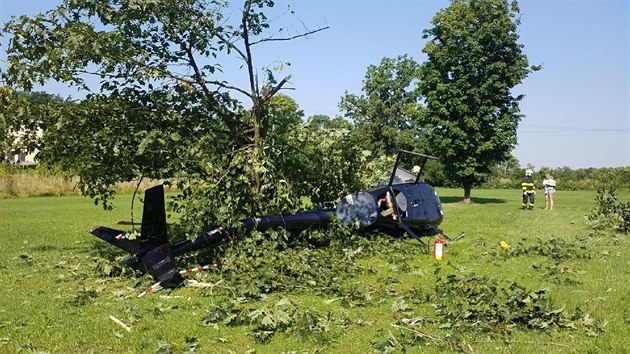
point(405, 204)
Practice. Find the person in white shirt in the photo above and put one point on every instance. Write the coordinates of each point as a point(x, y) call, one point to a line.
point(549, 184)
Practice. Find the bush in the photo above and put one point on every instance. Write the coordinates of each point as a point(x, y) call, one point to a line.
point(609, 212)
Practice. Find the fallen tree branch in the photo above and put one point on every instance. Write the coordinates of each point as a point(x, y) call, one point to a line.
point(120, 323)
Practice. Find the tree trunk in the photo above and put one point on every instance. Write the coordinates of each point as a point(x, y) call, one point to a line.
point(257, 141)
point(467, 189)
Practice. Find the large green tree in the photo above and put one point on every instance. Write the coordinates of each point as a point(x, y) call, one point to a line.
point(388, 113)
point(474, 61)
point(156, 104)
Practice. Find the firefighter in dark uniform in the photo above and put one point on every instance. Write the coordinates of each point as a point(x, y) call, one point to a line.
point(529, 190)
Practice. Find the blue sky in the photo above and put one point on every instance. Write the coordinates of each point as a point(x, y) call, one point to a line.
point(576, 108)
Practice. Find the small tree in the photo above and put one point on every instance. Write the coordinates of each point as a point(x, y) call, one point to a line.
point(160, 109)
point(474, 61)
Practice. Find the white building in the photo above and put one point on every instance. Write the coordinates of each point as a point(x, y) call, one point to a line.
point(18, 156)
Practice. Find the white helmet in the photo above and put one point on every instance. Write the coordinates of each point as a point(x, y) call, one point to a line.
point(528, 172)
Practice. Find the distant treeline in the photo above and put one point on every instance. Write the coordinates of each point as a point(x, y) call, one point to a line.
point(17, 181)
point(566, 177)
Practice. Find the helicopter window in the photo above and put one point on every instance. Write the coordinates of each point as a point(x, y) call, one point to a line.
point(357, 209)
point(401, 201)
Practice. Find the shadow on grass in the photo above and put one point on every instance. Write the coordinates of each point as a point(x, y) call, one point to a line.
point(55, 248)
point(103, 249)
point(448, 200)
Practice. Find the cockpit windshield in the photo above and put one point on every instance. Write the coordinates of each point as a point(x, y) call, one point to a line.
point(408, 168)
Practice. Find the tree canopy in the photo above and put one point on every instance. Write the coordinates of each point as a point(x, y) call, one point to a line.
point(474, 61)
point(388, 114)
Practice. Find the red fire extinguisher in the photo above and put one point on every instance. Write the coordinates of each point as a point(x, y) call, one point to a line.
point(438, 248)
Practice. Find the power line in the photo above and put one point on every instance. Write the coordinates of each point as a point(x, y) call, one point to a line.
point(550, 130)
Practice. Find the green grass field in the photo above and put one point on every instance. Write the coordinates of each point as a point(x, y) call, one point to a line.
point(55, 295)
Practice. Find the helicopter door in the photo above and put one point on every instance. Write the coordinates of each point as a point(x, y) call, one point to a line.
point(387, 207)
